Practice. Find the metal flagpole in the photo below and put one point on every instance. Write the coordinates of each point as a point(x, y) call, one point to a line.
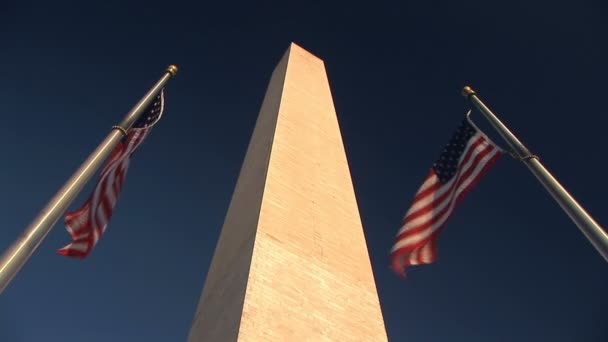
point(19, 252)
point(592, 230)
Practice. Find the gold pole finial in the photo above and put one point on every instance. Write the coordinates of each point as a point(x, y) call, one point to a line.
point(468, 92)
point(172, 69)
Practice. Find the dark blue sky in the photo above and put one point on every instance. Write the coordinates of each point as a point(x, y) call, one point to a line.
point(512, 266)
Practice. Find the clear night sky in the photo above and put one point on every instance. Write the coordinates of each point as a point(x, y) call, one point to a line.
point(512, 266)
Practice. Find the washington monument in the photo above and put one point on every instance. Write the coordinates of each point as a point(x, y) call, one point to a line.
point(291, 262)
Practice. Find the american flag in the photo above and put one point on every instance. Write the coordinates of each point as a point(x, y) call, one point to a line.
point(87, 224)
point(461, 164)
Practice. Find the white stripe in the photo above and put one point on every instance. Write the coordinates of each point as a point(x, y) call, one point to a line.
point(102, 220)
point(413, 257)
point(413, 239)
point(95, 236)
point(113, 196)
point(124, 169)
point(77, 246)
point(430, 181)
point(78, 221)
point(425, 253)
point(109, 191)
point(420, 255)
point(83, 235)
point(95, 201)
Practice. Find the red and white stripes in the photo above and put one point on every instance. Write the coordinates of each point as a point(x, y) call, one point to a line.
point(87, 224)
point(435, 201)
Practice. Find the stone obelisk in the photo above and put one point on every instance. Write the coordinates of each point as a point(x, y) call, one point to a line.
point(291, 263)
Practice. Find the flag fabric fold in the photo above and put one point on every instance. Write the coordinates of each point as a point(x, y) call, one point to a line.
point(87, 224)
point(460, 166)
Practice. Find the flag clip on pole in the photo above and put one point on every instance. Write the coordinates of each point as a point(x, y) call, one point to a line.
point(592, 230)
point(19, 252)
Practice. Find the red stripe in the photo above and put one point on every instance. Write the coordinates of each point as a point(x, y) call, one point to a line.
point(414, 256)
point(434, 248)
point(116, 155)
point(100, 195)
point(106, 207)
point(117, 180)
point(117, 187)
point(72, 252)
point(123, 174)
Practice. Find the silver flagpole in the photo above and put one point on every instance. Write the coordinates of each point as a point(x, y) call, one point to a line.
point(592, 230)
point(19, 252)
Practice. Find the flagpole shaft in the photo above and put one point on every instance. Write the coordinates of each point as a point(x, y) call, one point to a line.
point(19, 252)
point(590, 228)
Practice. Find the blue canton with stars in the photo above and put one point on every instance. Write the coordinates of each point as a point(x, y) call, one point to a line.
point(446, 166)
point(151, 114)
